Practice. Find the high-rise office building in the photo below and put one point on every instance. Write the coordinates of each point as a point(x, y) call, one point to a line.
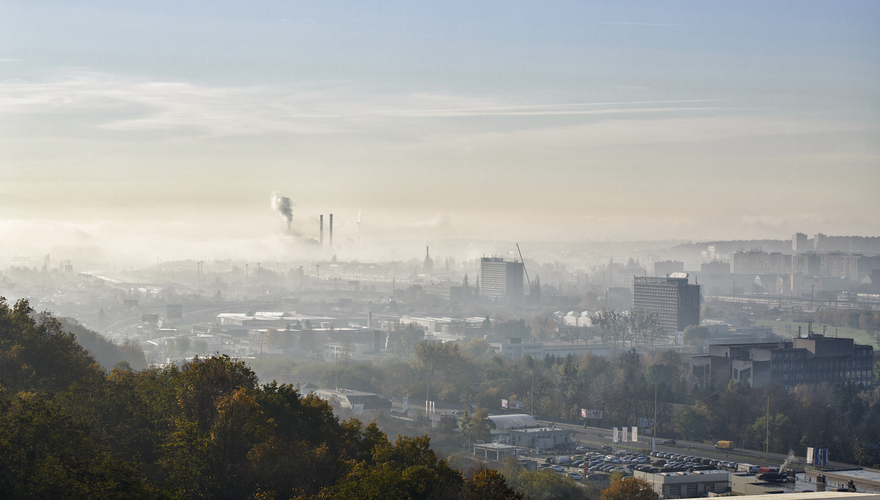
point(676, 303)
point(501, 281)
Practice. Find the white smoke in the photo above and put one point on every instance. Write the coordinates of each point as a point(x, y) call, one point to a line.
point(357, 222)
point(788, 460)
point(284, 205)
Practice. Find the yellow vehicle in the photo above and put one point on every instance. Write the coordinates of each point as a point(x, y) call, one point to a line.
point(724, 445)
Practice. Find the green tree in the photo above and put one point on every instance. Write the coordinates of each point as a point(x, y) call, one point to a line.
point(37, 355)
point(432, 355)
point(45, 453)
point(476, 347)
point(696, 335)
point(307, 341)
point(182, 344)
point(548, 485)
point(477, 426)
point(783, 436)
point(690, 423)
point(488, 484)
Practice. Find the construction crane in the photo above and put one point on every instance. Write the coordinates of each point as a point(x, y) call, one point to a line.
point(524, 268)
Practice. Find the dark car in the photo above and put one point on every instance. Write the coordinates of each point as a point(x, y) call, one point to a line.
point(668, 441)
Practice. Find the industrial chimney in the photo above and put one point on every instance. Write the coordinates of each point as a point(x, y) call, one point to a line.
point(331, 230)
point(321, 227)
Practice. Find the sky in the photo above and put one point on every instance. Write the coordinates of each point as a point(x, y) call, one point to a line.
point(162, 128)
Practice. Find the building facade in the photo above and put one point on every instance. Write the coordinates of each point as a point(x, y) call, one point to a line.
point(501, 281)
point(809, 360)
point(758, 261)
point(676, 303)
point(821, 359)
point(687, 484)
point(515, 349)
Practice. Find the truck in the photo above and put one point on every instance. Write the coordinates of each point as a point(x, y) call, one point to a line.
point(724, 445)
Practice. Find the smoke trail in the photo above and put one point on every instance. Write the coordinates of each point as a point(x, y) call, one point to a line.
point(284, 205)
point(357, 222)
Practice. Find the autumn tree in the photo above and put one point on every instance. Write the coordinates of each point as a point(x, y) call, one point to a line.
point(630, 489)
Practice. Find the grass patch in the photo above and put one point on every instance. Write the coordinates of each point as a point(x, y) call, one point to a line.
point(790, 329)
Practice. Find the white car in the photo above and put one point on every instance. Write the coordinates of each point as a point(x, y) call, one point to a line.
point(576, 476)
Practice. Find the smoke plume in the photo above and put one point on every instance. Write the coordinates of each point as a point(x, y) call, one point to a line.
point(284, 205)
point(788, 460)
point(357, 222)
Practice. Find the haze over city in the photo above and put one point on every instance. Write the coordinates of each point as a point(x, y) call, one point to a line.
point(163, 130)
point(455, 250)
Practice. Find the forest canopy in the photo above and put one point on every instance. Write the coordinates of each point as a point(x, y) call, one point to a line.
point(206, 429)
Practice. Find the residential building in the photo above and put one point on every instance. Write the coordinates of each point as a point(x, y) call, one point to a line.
point(799, 242)
point(676, 303)
point(758, 261)
point(854, 267)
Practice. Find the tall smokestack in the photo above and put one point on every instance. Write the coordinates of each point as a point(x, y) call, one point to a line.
point(321, 226)
point(331, 230)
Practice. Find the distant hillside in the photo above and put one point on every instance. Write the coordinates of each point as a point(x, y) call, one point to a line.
point(104, 351)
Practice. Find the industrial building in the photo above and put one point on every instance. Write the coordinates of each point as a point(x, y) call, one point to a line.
point(355, 400)
point(687, 484)
point(809, 360)
point(501, 281)
point(521, 430)
point(676, 303)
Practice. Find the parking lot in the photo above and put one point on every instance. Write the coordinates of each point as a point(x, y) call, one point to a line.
point(599, 465)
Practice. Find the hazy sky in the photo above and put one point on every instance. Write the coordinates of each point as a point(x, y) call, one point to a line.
point(162, 127)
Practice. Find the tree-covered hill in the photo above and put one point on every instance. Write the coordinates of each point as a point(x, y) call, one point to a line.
point(69, 429)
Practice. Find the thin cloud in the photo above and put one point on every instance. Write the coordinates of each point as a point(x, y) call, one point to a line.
point(625, 23)
point(326, 108)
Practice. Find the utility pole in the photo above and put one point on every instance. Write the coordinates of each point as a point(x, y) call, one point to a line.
point(532, 404)
point(767, 440)
point(654, 434)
